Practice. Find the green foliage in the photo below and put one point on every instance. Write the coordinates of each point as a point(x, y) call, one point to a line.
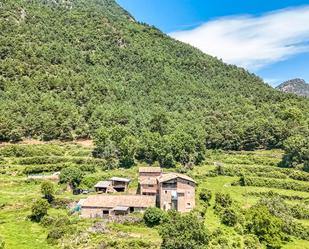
point(72, 176)
point(265, 226)
point(286, 213)
point(205, 195)
point(48, 190)
point(154, 216)
point(58, 226)
point(297, 152)
point(251, 242)
point(229, 217)
point(39, 210)
point(273, 183)
point(183, 231)
point(223, 200)
point(71, 82)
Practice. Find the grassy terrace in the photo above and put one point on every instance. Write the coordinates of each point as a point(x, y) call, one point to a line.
point(17, 194)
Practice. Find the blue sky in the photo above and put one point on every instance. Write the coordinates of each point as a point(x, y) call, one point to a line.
point(270, 38)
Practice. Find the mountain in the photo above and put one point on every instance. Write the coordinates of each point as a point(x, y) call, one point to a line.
point(296, 86)
point(70, 67)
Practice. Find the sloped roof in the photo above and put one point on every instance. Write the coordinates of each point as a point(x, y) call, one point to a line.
point(149, 170)
point(119, 208)
point(103, 184)
point(120, 179)
point(170, 176)
point(112, 201)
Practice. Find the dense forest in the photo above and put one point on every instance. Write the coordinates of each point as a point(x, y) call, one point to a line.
point(86, 69)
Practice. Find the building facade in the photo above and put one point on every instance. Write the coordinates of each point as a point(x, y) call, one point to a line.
point(177, 192)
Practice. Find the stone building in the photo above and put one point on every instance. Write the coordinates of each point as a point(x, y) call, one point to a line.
point(115, 184)
point(176, 191)
point(104, 205)
point(148, 184)
point(156, 189)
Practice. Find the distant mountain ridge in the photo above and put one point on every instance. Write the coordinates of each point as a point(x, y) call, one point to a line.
point(296, 86)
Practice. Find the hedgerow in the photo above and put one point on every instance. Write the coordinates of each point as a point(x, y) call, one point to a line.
point(259, 171)
point(273, 183)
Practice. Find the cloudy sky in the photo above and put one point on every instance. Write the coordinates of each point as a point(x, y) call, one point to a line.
point(270, 38)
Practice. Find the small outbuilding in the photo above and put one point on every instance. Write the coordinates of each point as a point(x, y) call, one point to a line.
point(104, 186)
point(120, 184)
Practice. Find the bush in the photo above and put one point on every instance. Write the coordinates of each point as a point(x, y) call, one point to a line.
point(48, 190)
point(154, 216)
point(39, 210)
point(223, 200)
point(205, 195)
point(251, 242)
point(183, 231)
point(72, 176)
point(265, 226)
point(54, 234)
point(229, 217)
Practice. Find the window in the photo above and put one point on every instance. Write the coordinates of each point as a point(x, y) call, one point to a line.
point(165, 191)
point(188, 204)
point(150, 185)
point(171, 184)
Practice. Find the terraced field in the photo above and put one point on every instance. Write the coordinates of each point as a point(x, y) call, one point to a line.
point(246, 176)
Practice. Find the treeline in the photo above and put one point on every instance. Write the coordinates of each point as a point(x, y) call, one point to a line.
point(66, 72)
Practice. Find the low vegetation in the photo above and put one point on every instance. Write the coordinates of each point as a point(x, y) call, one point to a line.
point(231, 212)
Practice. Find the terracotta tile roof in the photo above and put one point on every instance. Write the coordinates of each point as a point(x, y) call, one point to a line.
point(103, 184)
point(170, 176)
point(120, 179)
point(112, 201)
point(149, 170)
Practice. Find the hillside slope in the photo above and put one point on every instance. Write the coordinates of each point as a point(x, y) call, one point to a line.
point(297, 86)
point(70, 67)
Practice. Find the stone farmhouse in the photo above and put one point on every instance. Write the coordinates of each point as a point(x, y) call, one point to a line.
point(115, 184)
point(105, 205)
point(155, 189)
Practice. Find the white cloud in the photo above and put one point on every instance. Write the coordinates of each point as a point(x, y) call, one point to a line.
point(253, 42)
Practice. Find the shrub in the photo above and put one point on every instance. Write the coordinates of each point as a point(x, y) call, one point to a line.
point(48, 190)
point(251, 242)
point(205, 195)
point(154, 216)
point(265, 226)
point(223, 200)
point(183, 231)
point(54, 234)
point(39, 210)
point(229, 217)
point(72, 176)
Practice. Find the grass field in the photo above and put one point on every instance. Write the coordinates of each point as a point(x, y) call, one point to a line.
point(17, 195)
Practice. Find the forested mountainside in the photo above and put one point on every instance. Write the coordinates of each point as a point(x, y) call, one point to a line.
point(297, 86)
point(70, 67)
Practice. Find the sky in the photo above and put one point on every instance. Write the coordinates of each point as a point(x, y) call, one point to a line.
point(268, 37)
